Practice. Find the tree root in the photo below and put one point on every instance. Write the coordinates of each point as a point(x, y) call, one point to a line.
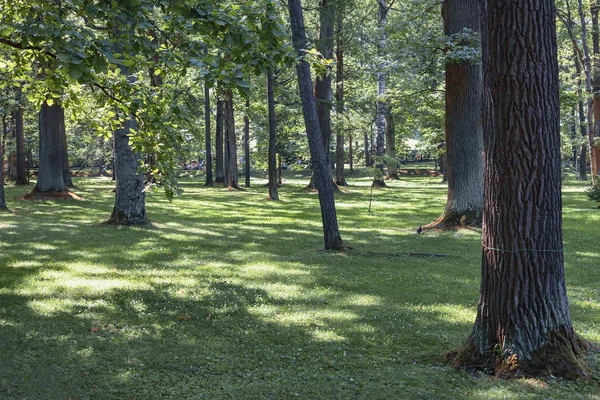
point(452, 220)
point(36, 194)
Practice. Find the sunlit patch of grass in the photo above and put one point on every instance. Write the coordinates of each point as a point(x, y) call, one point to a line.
point(228, 295)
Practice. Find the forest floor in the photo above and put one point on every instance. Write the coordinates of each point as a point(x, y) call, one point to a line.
point(228, 296)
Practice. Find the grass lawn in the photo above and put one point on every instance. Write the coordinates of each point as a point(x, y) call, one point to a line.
point(228, 296)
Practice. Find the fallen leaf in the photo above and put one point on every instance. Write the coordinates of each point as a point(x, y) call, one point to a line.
point(94, 329)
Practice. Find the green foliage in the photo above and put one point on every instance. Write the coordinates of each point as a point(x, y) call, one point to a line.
point(593, 193)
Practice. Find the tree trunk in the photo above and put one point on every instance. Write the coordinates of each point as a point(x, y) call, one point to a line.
point(323, 91)
point(231, 175)
point(22, 178)
point(208, 163)
point(582, 124)
point(51, 177)
point(65, 153)
point(130, 201)
point(247, 145)
point(331, 234)
point(381, 107)
point(219, 173)
point(272, 162)
point(588, 85)
point(523, 325)
point(596, 84)
point(340, 179)
point(2, 197)
point(350, 152)
point(390, 151)
point(368, 161)
point(574, 138)
point(464, 136)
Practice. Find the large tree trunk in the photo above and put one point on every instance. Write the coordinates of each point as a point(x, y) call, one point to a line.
point(381, 107)
point(523, 325)
point(331, 234)
point(464, 136)
point(219, 173)
point(231, 175)
point(130, 201)
point(247, 145)
point(20, 143)
point(323, 91)
point(50, 175)
point(272, 162)
point(208, 163)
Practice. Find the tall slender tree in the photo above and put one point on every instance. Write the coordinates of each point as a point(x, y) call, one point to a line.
point(523, 325)
point(331, 234)
point(272, 161)
point(2, 196)
point(231, 174)
point(340, 178)
point(219, 172)
point(208, 162)
point(381, 106)
point(20, 141)
point(464, 135)
point(247, 144)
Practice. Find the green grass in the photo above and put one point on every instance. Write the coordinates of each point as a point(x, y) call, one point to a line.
point(228, 296)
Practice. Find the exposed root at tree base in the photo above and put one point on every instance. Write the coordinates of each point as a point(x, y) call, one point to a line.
point(392, 177)
point(36, 194)
point(231, 188)
point(379, 184)
point(468, 219)
point(558, 358)
point(127, 222)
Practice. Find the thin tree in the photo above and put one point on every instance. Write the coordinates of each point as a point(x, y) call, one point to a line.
point(20, 141)
point(2, 197)
point(595, 151)
point(523, 325)
point(219, 172)
point(231, 175)
point(272, 162)
point(247, 144)
point(208, 163)
point(340, 179)
point(381, 107)
point(464, 135)
point(331, 234)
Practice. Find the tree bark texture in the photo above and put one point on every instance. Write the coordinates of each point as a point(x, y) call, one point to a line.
point(596, 83)
point(51, 126)
point(231, 175)
point(272, 162)
point(219, 173)
point(130, 201)
point(20, 143)
point(247, 145)
point(463, 125)
point(208, 163)
point(523, 323)
point(331, 234)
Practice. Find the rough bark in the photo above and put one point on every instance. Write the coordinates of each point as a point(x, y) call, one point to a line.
point(272, 162)
point(523, 325)
point(20, 143)
point(50, 175)
point(582, 124)
point(463, 126)
point(130, 200)
point(219, 172)
point(331, 235)
point(247, 145)
point(208, 163)
point(231, 174)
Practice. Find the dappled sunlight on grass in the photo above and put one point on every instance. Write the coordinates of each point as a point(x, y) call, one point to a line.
point(228, 295)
